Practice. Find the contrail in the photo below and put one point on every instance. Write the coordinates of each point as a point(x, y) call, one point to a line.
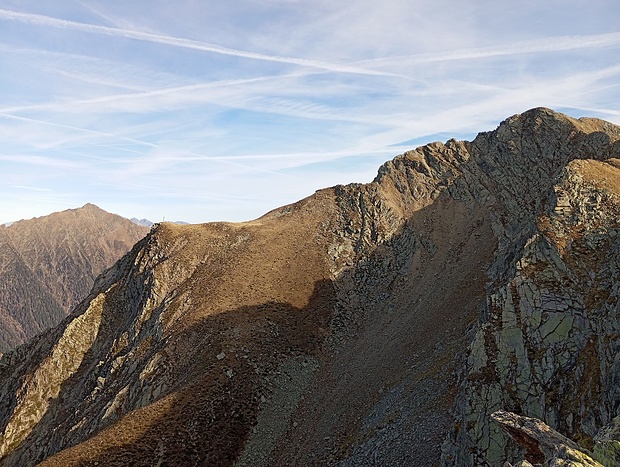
point(193, 155)
point(550, 44)
point(69, 127)
point(31, 18)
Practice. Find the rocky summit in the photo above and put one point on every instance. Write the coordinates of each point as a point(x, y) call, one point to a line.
point(377, 324)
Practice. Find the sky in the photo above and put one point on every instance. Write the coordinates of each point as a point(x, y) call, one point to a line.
point(205, 110)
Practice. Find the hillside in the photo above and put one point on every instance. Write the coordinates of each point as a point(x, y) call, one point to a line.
point(48, 265)
point(377, 324)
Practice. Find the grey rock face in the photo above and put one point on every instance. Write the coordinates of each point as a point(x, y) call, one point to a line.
point(548, 329)
point(548, 338)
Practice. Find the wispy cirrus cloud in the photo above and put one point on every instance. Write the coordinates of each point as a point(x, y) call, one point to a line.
point(43, 20)
point(220, 111)
point(79, 130)
point(535, 46)
point(33, 188)
point(39, 161)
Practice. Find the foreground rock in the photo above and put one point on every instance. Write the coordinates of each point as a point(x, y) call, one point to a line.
point(542, 444)
point(377, 324)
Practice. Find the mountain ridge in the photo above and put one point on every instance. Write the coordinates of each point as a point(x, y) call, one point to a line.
point(378, 323)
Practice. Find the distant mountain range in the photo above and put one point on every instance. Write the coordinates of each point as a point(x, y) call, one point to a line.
point(142, 222)
point(48, 265)
point(148, 223)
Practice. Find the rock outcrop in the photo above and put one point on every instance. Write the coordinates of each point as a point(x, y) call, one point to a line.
point(48, 265)
point(542, 444)
point(367, 324)
point(548, 334)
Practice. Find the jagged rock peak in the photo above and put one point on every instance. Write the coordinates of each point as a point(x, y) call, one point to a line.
point(549, 326)
point(540, 124)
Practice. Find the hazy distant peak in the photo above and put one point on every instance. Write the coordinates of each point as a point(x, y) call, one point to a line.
point(88, 207)
point(143, 222)
point(148, 223)
point(48, 264)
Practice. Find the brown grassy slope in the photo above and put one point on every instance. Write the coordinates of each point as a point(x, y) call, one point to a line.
point(260, 293)
point(265, 291)
point(25, 303)
point(271, 301)
point(605, 175)
point(49, 265)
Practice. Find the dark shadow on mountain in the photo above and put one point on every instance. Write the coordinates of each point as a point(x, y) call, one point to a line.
point(211, 403)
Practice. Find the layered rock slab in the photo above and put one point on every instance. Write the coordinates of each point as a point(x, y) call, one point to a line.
point(542, 444)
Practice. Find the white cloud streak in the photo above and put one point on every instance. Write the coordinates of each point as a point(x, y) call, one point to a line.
point(33, 188)
point(75, 128)
point(184, 43)
point(220, 138)
point(39, 161)
point(543, 45)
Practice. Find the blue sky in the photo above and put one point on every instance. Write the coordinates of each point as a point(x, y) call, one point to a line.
point(209, 110)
